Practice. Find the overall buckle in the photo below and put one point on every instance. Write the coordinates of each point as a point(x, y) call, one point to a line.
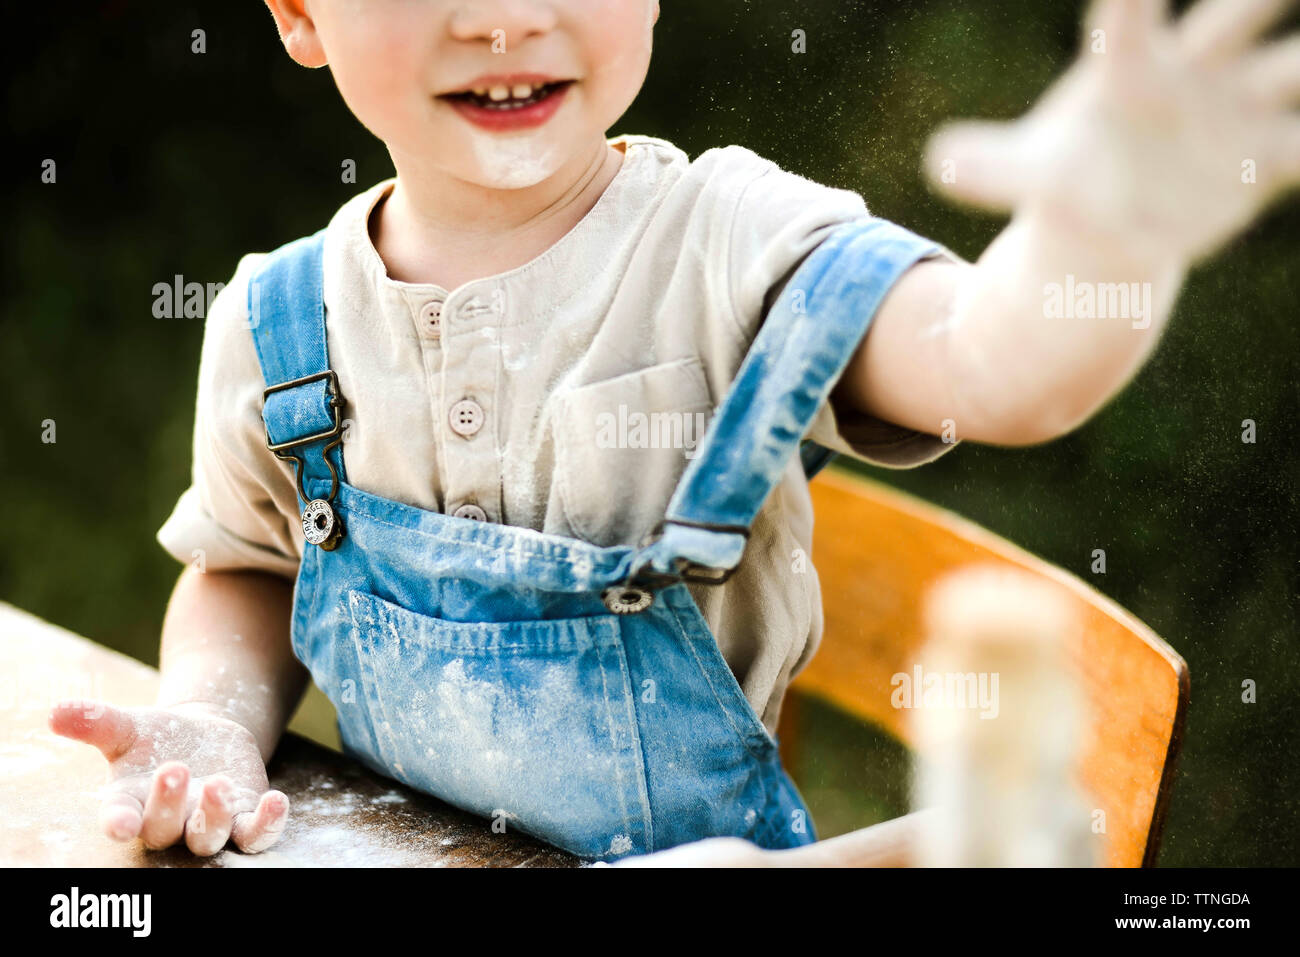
point(336, 405)
point(636, 593)
point(320, 525)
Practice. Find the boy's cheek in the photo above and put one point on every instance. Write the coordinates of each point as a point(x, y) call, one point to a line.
point(629, 22)
point(384, 99)
point(375, 62)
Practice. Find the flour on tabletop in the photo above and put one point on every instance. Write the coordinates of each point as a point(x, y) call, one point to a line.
point(329, 845)
point(22, 759)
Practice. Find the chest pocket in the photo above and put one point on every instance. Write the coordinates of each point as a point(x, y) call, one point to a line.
point(622, 444)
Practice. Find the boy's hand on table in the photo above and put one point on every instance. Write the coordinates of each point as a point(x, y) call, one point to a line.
point(1169, 136)
point(181, 771)
point(711, 852)
point(892, 843)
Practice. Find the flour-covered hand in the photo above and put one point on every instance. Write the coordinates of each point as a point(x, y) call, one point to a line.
point(183, 771)
point(1167, 136)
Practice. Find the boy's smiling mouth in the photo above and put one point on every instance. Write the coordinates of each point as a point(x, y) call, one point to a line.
point(509, 101)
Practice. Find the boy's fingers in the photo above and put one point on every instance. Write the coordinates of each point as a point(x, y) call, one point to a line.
point(978, 163)
point(1288, 153)
point(208, 828)
point(1128, 25)
point(1215, 31)
point(121, 816)
point(1271, 75)
point(164, 809)
point(96, 723)
point(257, 830)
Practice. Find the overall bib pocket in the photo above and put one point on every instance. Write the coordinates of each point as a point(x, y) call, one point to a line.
point(530, 722)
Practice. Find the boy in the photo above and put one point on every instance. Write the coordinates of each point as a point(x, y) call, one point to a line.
point(514, 600)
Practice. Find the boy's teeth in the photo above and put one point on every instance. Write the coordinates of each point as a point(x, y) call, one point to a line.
point(509, 97)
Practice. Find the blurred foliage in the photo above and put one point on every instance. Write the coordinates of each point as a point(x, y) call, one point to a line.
point(175, 163)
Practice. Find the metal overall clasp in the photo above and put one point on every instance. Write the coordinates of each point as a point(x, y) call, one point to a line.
point(320, 524)
point(636, 593)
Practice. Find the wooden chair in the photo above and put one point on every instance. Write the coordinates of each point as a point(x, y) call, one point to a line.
point(873, 583)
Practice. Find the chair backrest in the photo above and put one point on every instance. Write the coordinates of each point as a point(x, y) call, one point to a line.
point(876, 551)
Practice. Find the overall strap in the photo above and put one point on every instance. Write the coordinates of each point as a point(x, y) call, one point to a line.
point(302, 405)
point(802, 348)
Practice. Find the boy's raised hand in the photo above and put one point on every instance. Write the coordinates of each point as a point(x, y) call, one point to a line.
point(1173, 136)
point(183, 771)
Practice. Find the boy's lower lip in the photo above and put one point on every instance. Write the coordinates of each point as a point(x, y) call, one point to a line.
point(535, 114)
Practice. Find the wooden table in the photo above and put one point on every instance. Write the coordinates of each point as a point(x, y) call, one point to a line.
point(341, 814)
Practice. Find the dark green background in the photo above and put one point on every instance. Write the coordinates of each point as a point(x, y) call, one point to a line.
point(170, 162)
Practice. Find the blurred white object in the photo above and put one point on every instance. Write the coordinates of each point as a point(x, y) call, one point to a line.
point(999, 768)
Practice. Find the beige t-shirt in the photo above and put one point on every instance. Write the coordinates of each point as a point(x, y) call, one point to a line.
point(649, 303)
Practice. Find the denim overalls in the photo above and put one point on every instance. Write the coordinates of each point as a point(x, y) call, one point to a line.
point(569, 690)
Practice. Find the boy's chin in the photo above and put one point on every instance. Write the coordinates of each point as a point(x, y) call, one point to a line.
point(513, 161)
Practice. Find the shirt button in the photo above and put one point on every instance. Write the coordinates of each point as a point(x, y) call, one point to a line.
point(471, 511)
point(466, 417)
point(431, 318)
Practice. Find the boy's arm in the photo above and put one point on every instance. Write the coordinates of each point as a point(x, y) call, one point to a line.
point(891, 843)
point(971, 343)
point(192, 767)
point(226, 651)
point(1158, 146)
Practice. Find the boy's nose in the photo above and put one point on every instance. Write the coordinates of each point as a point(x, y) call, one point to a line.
point(510, 20)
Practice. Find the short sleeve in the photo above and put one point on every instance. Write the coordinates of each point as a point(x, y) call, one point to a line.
point(780, 218)
point(235, 513)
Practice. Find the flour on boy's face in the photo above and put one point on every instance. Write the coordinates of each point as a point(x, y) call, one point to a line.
point(515, 161)
point(506, 116)
point(500, 94)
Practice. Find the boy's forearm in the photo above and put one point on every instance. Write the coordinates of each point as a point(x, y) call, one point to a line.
point(893, 843)
point(1004, 350)
point(226, 649)
point(1051, 323)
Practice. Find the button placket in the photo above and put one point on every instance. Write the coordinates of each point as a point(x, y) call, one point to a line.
point(470, 361)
